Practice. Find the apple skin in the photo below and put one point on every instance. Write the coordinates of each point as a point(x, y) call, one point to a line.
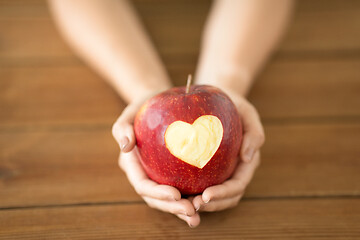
point(173, 105)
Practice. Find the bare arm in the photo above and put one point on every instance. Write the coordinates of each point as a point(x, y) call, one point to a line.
point(108, 36)
point(238, 38)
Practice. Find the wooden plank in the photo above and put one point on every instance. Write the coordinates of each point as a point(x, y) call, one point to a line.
point(323, 26)
point(74, 95)
point(271, 219)
point(175, 26)
point(55, 95)
point(45, 43)
point(69, 166)
point(319, 26)
point(308, 88)
point(27, 32)
point(309, 160)
point(60, 167)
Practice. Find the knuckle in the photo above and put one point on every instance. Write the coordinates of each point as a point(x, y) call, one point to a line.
point(253, 110)
point(149, 203)
point(247, 108)
point(234, 204)
point(121, 163)
point(210, 207)
point(260, 137)
point(120, 125)
point(138, 189)
point(241, 187)
point(114, 129)
point(237, 199)
point(118, 129)
point(121, 129)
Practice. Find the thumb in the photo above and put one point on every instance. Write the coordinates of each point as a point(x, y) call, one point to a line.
point(254, 136)
point(123, 130)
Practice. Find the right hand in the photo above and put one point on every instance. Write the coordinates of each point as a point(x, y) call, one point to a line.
point(162, 197)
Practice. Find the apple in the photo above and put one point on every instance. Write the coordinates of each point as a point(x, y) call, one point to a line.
point(189, 138)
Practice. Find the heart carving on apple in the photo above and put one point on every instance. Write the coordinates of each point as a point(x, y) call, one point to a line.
point(189, 138)
point(195, 143)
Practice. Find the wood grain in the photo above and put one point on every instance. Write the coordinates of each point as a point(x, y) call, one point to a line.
point(61, 167)
point(309, 159)
point(323, 27)
point(56, 95)
point(27, 32)
point(35, 96)
point(272, 219)
point(308, 88)
point(68, 166)
point(59, 177)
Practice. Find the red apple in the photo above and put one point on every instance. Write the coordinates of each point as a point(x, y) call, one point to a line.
point(189, 140)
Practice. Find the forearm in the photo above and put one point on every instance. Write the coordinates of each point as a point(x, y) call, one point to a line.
point(238, 38)
point(108, 36)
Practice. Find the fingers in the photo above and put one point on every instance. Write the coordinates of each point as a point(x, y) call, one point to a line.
point(192, 221)
point(123, 130)
point(231, 190)
point(161, 197)
point(198, 202)
point(182, 207)
point(228, 189)
point(217, 205)
point(254, 136)
point(145, 187)
point(236, 185)
point(148, 188)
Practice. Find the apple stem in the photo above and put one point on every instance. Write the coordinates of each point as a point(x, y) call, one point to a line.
point(188, 83)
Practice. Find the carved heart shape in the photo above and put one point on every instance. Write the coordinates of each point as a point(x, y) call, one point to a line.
point(194, 143)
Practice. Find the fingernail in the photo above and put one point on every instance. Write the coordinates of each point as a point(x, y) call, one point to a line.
point(186, 214)
point(249, 154)
point(123, 143)
point(207, 201)
point(190, 225)
point(197, 208)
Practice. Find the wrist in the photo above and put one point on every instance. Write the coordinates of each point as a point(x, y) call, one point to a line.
point(231, 79)
point(136, 85)
point(147, 92)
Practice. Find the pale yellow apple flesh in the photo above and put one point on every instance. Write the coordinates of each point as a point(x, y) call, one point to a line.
point(194, 143)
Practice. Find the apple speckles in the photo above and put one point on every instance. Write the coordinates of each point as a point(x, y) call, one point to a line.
point(174, 105)
point(195, 98)
point(154, 120)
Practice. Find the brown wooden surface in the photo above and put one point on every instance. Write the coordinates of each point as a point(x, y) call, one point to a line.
point(58, 162)
point(269, 219)
point(69, 160)
point(310, 90)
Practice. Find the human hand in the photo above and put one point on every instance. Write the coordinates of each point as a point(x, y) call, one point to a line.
point(162, 197)
point(228, 194)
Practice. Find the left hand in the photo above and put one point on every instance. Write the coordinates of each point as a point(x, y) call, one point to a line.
point(162, 197)
point(228, 194)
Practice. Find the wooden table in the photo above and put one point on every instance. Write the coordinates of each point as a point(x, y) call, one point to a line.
point(59, 177)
